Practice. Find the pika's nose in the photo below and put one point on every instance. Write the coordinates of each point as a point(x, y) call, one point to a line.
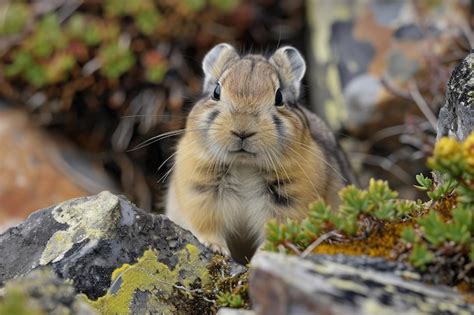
point(242, 134)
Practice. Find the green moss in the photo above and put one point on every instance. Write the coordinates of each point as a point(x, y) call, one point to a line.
point(15, 302)
point(162, 284)
point(229, 290)
point(41, 292)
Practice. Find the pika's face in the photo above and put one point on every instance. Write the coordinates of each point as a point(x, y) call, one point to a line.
point(248, 114)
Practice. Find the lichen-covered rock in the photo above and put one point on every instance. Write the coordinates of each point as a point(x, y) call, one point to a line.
point(119, 257)
point(335, 285)
point(233, 311)
point(42, 292)
point(456, 117)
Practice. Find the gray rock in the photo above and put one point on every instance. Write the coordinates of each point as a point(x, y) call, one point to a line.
point(42, 292)
point(322, 284)
point(456, 117)
point(121, 258)
point(233, 311)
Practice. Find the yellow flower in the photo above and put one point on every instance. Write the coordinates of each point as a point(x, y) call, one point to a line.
point(446, 148)
point(468, 149)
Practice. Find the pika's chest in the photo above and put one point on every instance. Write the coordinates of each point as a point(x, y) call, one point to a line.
point(243, 190)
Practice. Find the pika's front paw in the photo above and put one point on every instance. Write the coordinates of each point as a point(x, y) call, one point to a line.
point(218, 248)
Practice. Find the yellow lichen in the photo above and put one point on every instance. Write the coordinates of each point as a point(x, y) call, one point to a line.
point(150, 275)
point(379, 243)
point(92, 219)
point(16, 302)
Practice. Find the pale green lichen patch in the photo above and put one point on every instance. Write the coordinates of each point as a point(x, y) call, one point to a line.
point(95, 218)
point(163, 286)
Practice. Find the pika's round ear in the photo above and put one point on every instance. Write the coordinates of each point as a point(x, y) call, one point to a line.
point(291, 66)
point(215, 61)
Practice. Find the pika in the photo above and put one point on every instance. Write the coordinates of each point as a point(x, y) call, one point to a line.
point(250, 152)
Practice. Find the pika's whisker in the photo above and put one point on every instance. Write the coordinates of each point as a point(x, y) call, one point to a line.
point(164, 135)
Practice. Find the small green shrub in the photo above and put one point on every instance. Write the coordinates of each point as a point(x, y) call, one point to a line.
point(106, 41)
point(434, 232)
point(233, 300)
point(455, 161)
point(13, 17)
point(16, 302)
point(377, 203)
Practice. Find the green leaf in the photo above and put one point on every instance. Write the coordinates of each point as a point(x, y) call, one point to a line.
point(36, 75)
point(425, 183)
point(13, 18)
point(379, 191)
point(87, 30)
point(47, 37)
point(421, 256)
point(434, 228)
point(386, 211)
point(116, 60)
point(156, 73)
point(21, 62)
point(225, 5)
point(147, 21)
point(195, 5)
point(409, 235)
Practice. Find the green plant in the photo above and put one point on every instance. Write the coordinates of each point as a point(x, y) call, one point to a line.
point(447, 221)
point(16, 302)
point(116, 59)
point(455, 161)
point(420, 257)
point(377, 203)
point(227, 299)
point(47, 37)
point(13, 17)
point(156, 66)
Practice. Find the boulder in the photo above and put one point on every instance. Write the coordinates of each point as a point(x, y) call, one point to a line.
point(121, 258)
point(323, 284)
point(456, 117)
point(233, 311)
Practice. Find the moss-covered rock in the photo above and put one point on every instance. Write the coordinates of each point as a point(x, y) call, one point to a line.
point(118, 257)
point(42, 292)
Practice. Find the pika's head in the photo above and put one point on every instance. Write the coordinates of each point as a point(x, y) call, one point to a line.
point(249, 112)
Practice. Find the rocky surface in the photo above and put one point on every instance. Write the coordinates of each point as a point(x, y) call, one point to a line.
point(101, 254)
point(233, 311)
point(324, 284)
point(456, 117)
point(42, 292)
point(121, 258)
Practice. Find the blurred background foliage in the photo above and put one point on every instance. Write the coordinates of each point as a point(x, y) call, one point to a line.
point(108, 75)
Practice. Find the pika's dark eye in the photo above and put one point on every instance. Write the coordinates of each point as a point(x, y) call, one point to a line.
point(278, 98)
point(216, 95)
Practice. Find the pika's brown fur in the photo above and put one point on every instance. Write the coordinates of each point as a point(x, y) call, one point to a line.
point(246, 157)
